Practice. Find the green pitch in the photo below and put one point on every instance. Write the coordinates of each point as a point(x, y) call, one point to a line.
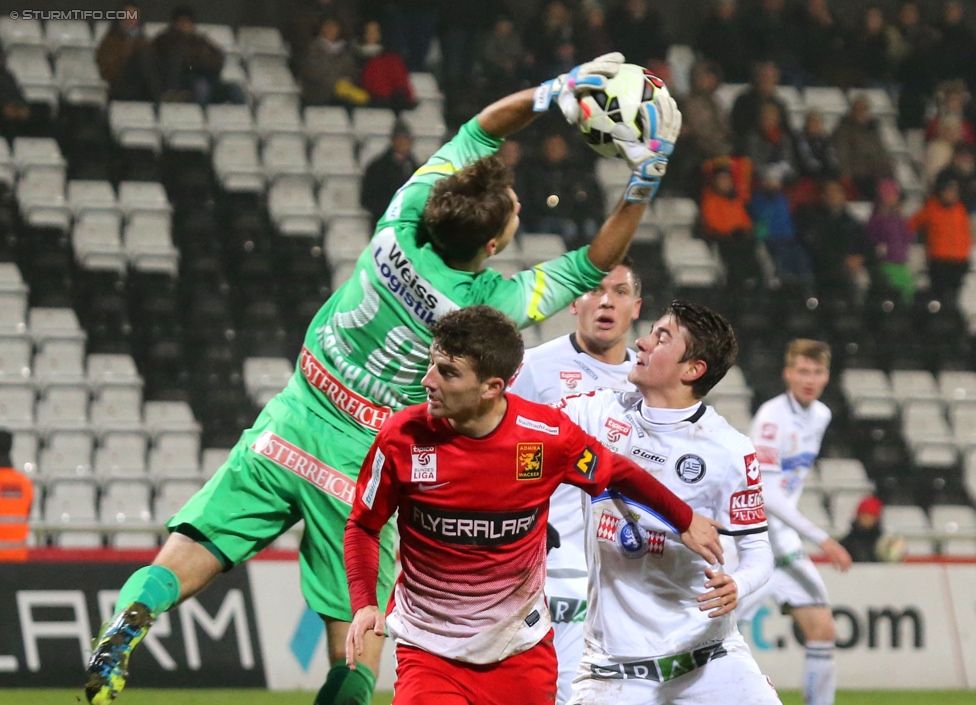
point(135, 696)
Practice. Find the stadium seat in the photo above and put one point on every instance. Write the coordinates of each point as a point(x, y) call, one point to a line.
point(235, 159)
point(60, 362)
point(91, 197)
point(367, 122)
point(125, 503)
point(924, 424)
point(860, 210)
point(284, 155)
point(107, 370)
point(843, 508)
point(674, 215)
point(183, 127)
point(20, 32)
point(63, 409)
point(844, 475)
point(733, 385)
point(54, 324)
point(426, 120)
point(825, 100)
point(29, 65)
point(69, 505)
point(737, 410)
point(24, 453)
point(334, 155)
point(425, 87)
point(143, 196)
point(15, 361)
point(369, 150)
point(261, 41)
point(171, 497)
point(222, 36)
point(270, 76)
point(868, 393)
point(326, 120)
point(134, 125)
point(726, 94)
point(148, 245)
point(79, 79)
point(963, 419)
point(954, 520)
point(40, 197)
point(13, 300)
point(276, 116)
point(169, 416)
point(292, 207)
point(212, 459)
point(540, 247)
point(61, 34)
point(121, 454)
point(8, 171)
point(914, 385)
point(339, 197)
point(425, 147)
point(68, 455)
point(175, 455)
point(266, 376)
point(227, 119)
point(812, 507)
point(117, 409)
point(877, 98)
point(17, 408)
point(957, 386)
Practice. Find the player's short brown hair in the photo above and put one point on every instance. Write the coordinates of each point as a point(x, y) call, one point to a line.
point(634, 276)
point(815, 350)
point(468, 208)
point(484, 335)
point(709, 338)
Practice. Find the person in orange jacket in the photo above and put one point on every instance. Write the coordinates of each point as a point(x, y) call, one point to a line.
point(726, 222)
point(948, 237)
point(16, 495)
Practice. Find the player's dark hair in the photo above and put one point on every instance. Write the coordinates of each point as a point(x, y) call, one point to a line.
point(635, 277)
point(468, 208)
point(710, 338)
point(484, 335)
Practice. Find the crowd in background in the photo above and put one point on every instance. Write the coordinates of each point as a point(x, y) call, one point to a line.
point(773, 198)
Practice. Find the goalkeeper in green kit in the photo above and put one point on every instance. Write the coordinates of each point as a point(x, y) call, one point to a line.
point(364, 355)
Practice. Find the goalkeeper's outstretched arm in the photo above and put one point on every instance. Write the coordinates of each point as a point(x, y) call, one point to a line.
point(508, 115)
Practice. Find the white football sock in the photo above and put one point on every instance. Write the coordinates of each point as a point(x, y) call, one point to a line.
point(819, 674)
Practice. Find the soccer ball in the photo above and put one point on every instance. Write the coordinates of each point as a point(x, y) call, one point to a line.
point(614, 112)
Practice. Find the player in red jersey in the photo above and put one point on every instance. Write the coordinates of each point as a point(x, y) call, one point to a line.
point(471, 472)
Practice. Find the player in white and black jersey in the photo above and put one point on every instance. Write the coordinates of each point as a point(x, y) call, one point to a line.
point(659, 626)
point(595, 356)
point(787, 431)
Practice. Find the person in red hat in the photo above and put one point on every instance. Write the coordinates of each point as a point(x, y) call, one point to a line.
point(862, 539)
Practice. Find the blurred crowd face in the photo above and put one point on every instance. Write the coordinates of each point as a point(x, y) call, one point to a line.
point(722, 183)
point(908, 15)
point(767, 78)
point(861, 111)
point(555, 149)
point(372, 33)
point(949, 194)
point(184, 24)
point(953, 12)
point(769, 117)
point(834, 196)
point(874, 20)
point(814, 125)
point(331, 30)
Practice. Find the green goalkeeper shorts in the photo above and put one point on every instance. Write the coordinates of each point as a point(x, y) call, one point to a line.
point(291, 465)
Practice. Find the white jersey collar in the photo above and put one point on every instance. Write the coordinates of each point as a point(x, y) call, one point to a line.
point(670, 417)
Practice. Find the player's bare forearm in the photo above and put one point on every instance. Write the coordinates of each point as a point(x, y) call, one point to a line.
point(610, 244)
point(509, 114)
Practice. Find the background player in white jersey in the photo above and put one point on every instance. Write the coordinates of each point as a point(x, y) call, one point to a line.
point(654, 633)
point(787, 431)
point(594, 357)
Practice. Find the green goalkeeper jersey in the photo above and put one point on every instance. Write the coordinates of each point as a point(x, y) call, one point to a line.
point(366, 349)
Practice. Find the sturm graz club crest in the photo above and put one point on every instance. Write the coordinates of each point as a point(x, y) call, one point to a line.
point(690, 468)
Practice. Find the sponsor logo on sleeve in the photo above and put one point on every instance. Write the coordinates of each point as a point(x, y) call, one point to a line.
point(616, 429)
point(369, 494)
point(423, 464)
point(536, 425)
point(753, 474)
point(690, 468)
point(746, 507)
point(528, 461)
point(570, 379)
point(768, 431)
point(586, 463)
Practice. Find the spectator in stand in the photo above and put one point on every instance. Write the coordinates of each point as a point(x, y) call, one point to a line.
point(862, 156)
point(951, 97)
point(546, 34)
point(838, 247)
point(938, 152)
point(722, 40)
point(124, 57)
point(774, 227)
point(745, 110)
point(188, 64)
point(16, 496)
point(944, 224)
point(707, 125)
point(869, 51)
point(14, 111)
point(963, 169)
point(636, 28)
point(821, 43)
point(725, 221)
point(915, 49)
point(306, 20)
point(956, 53)
point(770, 143)
point(594, 37)
point(330, 69)
point(388, 172)
point(888, 231)
point(770, 36)
point(385, 76)
point(816, 157)
point(862, 540)
point(563, 196)
point(503, 58)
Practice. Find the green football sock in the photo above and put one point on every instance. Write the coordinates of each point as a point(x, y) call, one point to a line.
point(347, 687)
point(155, 586)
